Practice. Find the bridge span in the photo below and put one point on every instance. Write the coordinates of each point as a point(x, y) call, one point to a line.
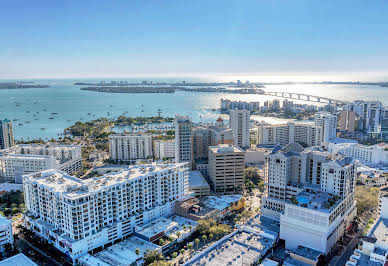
point(305, 97)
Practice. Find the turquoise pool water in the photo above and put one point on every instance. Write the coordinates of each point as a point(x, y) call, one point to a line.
point(302, 199)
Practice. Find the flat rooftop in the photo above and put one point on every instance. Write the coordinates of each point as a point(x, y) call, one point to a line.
point(18, 260)
point(219, 202)
point(170, 226)
point(308, 253)
point(120, 254)
point(380, 230)
point(73, 187)
point(4, 221)
point(238, 248)
point(197, 180)
point(264, 224)
point(225, 148)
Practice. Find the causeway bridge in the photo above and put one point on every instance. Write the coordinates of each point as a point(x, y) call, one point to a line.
point(305, 97)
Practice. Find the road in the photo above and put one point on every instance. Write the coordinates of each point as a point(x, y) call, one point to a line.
point(341, 260)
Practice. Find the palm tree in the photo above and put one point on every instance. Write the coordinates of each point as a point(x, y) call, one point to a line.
point(184, 227)
point(196, 241)
point(190, 227)
point(178, 234)
point(204, 238)
point(182, 251)
point(137, 251)
point(211, 236)
point(190, 246)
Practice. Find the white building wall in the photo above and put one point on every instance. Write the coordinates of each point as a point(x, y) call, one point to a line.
point(129, 147)
point(239, 122)
point(6, 235)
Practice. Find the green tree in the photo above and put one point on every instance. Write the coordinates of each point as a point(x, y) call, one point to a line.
point(190, 227)
point(182, 251)
point(174, 255)
point(161, 241)
point(204, 238)
point(152, 255)
point(190, 246)
point(211, 236)
point(137, 251)
point(367, 199)
point(196, 241)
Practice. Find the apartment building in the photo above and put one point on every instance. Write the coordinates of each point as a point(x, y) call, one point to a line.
point(164, 149)
point(347, 121)
point(226, 168)
point(328, 123)
point(78, 216)
point(6, 235)
point(183, 139)
point(367, 154)
point(239, 122)
point(130, 147)
point(29, 158)
point(311, 193)
point(6, 134)
point(304, 134)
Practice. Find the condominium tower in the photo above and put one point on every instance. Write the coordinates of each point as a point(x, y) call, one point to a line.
point(6, 134)
point(183, 140)
point(328, 122)
point(239, 122)
point(79, 216)
point(29, 158)
point(129, 147)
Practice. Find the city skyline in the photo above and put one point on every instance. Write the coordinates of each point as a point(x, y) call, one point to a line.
point(346, 40)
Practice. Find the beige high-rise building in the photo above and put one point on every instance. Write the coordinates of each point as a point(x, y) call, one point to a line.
point(226, 168)
point(239, 122)
point(347, 121)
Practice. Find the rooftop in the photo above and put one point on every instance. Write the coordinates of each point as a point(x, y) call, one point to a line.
point(225, 148)
point(4, 221)
point(238, 248)
point(316, 200)
point(120, 254)
point(308, 253)
point(380, 231)
point(169, 226)
point(73, 187)
point(197, 180)
point(18, 260)
point(219, 202)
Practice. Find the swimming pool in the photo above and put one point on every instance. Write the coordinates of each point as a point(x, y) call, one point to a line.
point(302, 199)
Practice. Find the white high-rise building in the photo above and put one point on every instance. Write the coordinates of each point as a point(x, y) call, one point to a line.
point(370, 155)
point(328, 122)
point(371, 113)
point(183, 139)
point(129, 147)
point(6, 134)
point(29, 158)
point(304, 134)
point(239, 122)
point(311, 192)
point(164, 149)
point(6, 235)
point(78, 216)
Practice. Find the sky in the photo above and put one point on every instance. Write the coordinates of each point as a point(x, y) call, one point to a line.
point(123, 38)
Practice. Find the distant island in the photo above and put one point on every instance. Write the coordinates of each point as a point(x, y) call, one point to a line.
point(21, 85)
point(131, 89)
point(169, 89)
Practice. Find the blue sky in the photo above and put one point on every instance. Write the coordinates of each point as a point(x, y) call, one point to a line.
point(151, 38)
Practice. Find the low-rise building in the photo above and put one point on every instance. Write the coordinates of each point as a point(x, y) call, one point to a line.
point(18, 260)
point(198, 185)
point(242, 247)
point(303, 256)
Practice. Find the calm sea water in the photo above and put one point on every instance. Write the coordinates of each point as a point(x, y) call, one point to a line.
point(34, 107)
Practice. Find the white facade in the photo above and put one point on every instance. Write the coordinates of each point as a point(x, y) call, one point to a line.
point(370, 155)
point(6, 134)
point(130, 147)
point(328, 122)
point(29, 158)
point(183, 140)
point(302, 185)
point(371, 113)
point(78, 216)
point(164, 149)
point(239, 122)
point(304, 134)
point(6, 235)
